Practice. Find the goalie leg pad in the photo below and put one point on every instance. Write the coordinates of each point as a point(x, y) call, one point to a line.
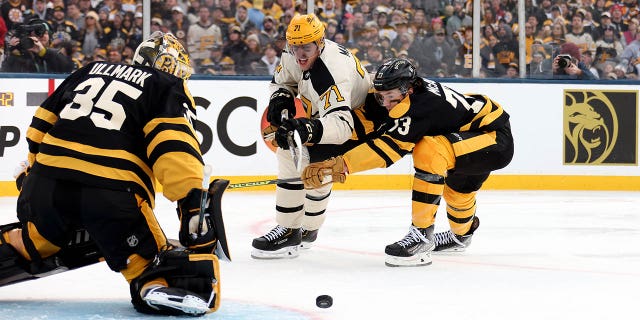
point(13, 267)
point(194, 275)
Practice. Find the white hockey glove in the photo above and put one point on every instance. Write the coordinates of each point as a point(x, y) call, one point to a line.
point(21, 172)
point(196, 230)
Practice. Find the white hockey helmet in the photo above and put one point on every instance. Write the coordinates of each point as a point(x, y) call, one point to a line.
point(164, 52)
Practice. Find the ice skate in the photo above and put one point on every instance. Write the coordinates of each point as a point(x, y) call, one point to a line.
point(308, 238)
point(447, 241)
point(413, 250)
point(175, 301)
point(278, 243)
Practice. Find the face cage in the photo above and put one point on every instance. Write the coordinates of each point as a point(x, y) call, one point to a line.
point(403, 91)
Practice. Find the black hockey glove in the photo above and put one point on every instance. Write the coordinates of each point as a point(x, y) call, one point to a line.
point(280, 100)
point(196, 229)
point(310, 131)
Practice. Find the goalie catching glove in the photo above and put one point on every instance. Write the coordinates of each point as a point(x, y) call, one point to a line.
point(196, 229)
point(313, 176)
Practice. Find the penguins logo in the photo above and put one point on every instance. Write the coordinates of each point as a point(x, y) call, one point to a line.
point(590, 127)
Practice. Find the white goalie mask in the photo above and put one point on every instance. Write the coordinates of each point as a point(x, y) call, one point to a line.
point(164, 52)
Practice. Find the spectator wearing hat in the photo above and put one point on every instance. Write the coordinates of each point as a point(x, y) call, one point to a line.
point(115, 34)
point(103, 16)
point(253, 54)
point(617, 18)
point(513, 71)
point(91, 34)
point(156, 24)
point(213, 63)
point(269, 32)
point(331, 28)
point(41, 57)
point(62, 29)
point(609, 47)
point(540, 66)
point(202, 36)
point(575, 69)
point(463, 61)
point(179, 25)
point(237, 49)
point(433, 53)
point(242, 19)
point(605, 20)
point(579, 36)
point(40, 10)
point(506, 50)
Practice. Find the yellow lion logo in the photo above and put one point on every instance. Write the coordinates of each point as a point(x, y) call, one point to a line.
point(585, 128)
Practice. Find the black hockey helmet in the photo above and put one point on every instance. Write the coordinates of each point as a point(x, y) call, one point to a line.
point(395, 73)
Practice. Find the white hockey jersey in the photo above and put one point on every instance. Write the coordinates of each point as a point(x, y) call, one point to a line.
point(335, 84)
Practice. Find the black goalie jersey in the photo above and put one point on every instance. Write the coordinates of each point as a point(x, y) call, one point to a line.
point(430, 111)
point(119, 127)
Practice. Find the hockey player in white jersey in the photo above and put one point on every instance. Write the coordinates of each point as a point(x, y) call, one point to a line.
point(330, 82)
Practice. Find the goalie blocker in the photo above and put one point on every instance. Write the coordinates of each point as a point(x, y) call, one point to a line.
point(180, 267)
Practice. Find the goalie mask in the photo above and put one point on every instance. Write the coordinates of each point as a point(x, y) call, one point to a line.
point(164, 52)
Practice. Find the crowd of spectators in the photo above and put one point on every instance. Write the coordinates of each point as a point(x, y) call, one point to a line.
point(230, 37)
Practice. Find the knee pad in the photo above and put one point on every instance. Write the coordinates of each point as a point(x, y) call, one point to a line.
point(197, 273)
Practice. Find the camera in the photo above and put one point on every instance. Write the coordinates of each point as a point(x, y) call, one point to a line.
point(24, 31)
point(564, 60)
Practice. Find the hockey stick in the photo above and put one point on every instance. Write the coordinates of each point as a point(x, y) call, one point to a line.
point(259, 183)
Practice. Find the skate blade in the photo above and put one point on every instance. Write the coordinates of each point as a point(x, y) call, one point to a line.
point(284, 253)
point(306, 245)
point(419, 260)
point(189, 305)
point(451, 251)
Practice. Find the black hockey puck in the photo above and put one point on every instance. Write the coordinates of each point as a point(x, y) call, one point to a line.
point(324, 301)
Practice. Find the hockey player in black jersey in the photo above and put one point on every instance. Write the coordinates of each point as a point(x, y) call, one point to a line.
point(455, 140)
point(97, 146)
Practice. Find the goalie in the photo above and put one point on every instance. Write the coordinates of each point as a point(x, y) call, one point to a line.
point(96, 147)
point(456, 141)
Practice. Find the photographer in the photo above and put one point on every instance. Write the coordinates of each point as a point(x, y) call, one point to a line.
point(567, 64)
point(29, 51)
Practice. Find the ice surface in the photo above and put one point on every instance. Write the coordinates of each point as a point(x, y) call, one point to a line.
point(537, 255)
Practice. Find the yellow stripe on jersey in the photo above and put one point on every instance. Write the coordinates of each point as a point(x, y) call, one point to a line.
point(90, 150)
point(94, 169)
point(151, 125)
point(489, 113)
point(46, 115)
point(169, 135)
point(474, 144)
